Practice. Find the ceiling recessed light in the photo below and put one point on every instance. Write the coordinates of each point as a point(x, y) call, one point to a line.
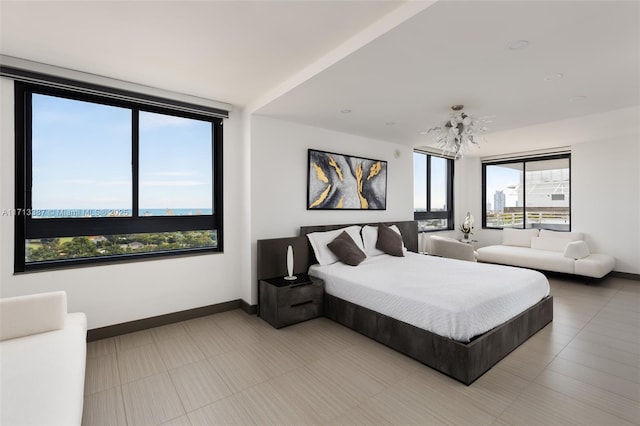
point(553, 77)
point(518, 45)
point(578, 98)
point(345, 111)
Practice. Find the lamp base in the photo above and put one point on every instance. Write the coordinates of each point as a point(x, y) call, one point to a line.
point(291, 278)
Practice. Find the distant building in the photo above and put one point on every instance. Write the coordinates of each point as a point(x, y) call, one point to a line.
point(499, 201)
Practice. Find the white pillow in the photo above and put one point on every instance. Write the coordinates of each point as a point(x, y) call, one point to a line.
point(571, 236)
point(518, 237)
point(370, 238)
point(549, 244)
point(577, 250)
point(319, 241)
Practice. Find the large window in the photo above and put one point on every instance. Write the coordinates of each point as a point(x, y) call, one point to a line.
point(101, 179)
point(432, 191)
point(530, 193)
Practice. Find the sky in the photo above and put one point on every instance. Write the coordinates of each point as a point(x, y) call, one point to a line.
point(438, 179)
point(82, 158)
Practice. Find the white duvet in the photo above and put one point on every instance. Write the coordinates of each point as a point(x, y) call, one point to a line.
point(452, 298)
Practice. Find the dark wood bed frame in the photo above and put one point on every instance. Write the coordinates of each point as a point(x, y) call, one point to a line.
point(462, 361)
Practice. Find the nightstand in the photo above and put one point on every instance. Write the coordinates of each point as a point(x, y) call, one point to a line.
point(285, 302)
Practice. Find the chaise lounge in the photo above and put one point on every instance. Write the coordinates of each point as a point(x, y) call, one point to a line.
point(545, 250)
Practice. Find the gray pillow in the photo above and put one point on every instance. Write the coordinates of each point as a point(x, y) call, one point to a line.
point(346, 250)
point(389, 241)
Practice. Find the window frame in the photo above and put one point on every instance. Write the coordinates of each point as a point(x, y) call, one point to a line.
point(26, 227)
point(524, 162)
point(446, 214)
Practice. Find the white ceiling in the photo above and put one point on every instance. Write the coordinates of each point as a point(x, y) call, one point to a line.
point(409, 73)
point(229, 51)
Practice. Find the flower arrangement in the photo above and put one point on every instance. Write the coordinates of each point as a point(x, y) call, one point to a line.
point(467, 226)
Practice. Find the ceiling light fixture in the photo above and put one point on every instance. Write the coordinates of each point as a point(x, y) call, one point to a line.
point(459, 133)
point(518, 45)
point(345, 111)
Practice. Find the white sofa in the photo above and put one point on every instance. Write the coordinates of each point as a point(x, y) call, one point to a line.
point(42, 359)
point(545, 250)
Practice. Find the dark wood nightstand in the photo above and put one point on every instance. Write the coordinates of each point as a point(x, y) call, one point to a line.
point(285, 302)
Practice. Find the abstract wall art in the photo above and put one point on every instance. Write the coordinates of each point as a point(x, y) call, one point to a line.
point(338, 181)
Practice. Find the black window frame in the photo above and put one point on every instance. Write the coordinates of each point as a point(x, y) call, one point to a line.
point(26, 227)
point(447, 214)
point(524, 162)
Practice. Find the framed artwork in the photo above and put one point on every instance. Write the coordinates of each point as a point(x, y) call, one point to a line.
point(338, 181)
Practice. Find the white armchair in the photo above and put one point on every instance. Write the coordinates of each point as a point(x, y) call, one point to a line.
point(451, 248)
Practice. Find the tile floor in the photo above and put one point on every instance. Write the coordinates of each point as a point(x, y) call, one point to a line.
point(233, 368)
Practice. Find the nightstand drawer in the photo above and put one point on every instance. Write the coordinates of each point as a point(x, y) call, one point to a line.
point(281, 304)
point(300, 312)
point(295, 295)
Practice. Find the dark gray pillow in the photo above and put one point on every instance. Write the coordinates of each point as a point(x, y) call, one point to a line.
point(346, 250)
point(389, 241)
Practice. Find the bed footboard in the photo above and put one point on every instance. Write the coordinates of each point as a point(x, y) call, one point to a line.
point(464, 362)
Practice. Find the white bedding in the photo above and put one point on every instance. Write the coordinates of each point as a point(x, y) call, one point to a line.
point(452, 298)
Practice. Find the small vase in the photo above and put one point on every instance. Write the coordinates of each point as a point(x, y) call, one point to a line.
point(465, 236)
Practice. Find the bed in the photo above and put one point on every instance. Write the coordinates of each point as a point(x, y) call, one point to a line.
point(464, 333)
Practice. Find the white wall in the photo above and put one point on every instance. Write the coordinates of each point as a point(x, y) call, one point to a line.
point(279, 179)
point(605, 191)
point(119, 293)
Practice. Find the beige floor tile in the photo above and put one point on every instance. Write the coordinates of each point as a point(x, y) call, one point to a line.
point(101, 347)
point(591, 395)
point(178, 421)
point(198, 384)
point(628, 334)
point(104, 408)
point(599, 379)
point(609, 341)
point(343, 373)
point(199, 325)
point(230, 317)
point(602, 364)
point(381, 363)
point(525, 362)
point(605, 351)
point(228, 411)
point(179, 351)
point(265, 405)
point(303, 389)
point(493, 392)
point(140, 362)
point(275, 358)
point(151, 401)
point(239, 369)
point(539, 405)
point(399, 407)
point(447, 400)
point(133, 340)
point(584, 364)
point(213, 341)
point(357, 416)
point(101, 373)
point(169, 331)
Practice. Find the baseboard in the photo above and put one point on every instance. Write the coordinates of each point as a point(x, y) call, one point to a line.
point(250, 309)
point(145, 323)
point(626, 275)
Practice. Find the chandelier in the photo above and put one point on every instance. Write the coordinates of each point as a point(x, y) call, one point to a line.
point(459, 133)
